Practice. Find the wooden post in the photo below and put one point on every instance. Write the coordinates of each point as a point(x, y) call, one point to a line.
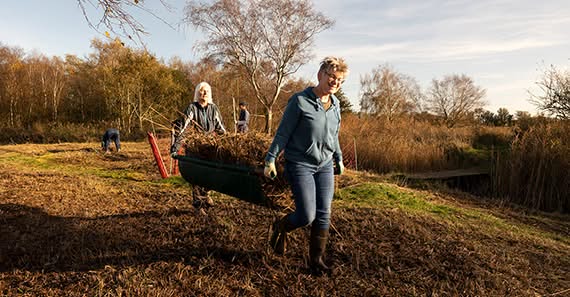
point(235, 119)
point(355, 156)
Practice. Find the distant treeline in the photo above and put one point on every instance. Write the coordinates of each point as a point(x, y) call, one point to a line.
point(114, 86)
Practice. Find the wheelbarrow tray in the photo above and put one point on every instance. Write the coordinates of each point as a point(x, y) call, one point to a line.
point(239, 181)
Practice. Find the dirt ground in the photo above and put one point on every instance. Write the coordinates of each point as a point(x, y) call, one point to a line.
point(76, 222)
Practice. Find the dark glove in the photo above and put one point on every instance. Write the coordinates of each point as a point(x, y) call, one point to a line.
point(174, 148)
point(338, 168)
point(177, 124)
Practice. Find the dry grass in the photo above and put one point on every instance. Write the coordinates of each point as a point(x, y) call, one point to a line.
point(536, 171)
point(404, 146)
point(75, 222)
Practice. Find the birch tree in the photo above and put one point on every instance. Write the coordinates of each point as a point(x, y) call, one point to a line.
point(118, 16)
point(264, 40)
point(387, 93)
point(454, 98)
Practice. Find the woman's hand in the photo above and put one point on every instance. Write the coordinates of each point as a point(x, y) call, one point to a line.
point(270, 171)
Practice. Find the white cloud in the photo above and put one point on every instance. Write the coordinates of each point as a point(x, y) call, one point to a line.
point(429, 51)
point(498, 43)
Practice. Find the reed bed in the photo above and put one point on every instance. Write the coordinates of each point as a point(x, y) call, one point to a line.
point(536, 171)
point(402, 146)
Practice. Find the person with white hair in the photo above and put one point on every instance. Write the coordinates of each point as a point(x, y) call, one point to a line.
point(203, 115)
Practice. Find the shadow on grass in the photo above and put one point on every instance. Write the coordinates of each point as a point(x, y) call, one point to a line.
point(67, 150)
point(33, 240)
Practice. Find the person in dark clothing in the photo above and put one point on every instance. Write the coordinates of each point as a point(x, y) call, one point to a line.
point(111, 135)
point(203, 115)
point(243, 120)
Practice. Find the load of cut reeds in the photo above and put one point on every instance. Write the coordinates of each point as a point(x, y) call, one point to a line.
point(247, 149)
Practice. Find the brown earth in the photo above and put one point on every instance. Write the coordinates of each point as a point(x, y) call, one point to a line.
point(76, 222)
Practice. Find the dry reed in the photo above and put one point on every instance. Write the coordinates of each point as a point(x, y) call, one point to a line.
point(401, 146)
point(536, 172)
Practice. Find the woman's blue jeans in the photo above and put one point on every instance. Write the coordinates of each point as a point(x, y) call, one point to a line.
point(313, 190)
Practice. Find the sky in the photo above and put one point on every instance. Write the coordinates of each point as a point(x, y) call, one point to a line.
point(504, 46)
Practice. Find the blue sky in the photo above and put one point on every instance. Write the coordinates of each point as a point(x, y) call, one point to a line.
point(503, 45)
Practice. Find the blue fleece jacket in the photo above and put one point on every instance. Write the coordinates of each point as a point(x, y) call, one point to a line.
point(308, 133)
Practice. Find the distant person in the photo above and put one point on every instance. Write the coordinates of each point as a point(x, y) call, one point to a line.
point(111, 135)
point(204, 116)
point(243, 120)
point(308, 135)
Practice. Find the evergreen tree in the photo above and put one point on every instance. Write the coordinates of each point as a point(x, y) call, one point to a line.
point(345, 105)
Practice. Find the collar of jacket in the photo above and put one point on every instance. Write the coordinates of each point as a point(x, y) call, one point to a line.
point(198, 105)
point(310, 94)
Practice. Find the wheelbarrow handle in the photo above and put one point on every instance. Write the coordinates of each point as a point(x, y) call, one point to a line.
point(258, 171)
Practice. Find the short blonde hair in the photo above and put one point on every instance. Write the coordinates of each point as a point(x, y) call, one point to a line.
point(199, 87)
point(334, 64)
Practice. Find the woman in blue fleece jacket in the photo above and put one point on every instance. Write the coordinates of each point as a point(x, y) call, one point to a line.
point(308, 134)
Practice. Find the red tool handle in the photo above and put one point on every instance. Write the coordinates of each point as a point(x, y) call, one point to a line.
point(157, 156)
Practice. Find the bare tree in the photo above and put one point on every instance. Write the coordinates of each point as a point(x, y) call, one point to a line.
point(555, 100)
point(388, 93)
point(454, 98)
point(117, 16)
point(12, 73)
point(265, 40)
point(46, 79)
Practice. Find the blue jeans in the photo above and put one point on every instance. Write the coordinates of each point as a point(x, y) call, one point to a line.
point(111, 135)
point(313, 190)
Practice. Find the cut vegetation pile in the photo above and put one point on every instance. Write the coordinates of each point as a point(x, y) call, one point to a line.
point(247, 150)
point(75, 222)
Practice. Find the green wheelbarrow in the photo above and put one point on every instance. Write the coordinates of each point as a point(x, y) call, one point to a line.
point(239, 181)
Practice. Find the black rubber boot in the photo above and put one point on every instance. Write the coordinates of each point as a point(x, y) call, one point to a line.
point(278, 241)
point(317, 245)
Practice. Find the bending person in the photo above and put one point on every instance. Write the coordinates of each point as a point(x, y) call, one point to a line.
point(111, 135)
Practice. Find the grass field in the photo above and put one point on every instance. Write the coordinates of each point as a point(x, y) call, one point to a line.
point(76, 222)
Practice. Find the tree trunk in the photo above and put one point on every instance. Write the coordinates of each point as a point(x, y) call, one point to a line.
point(139, 113)
point(12, 107)
point(268, 119)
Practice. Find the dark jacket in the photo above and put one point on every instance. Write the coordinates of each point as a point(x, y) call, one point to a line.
point(206, 119)
point(243, 122)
